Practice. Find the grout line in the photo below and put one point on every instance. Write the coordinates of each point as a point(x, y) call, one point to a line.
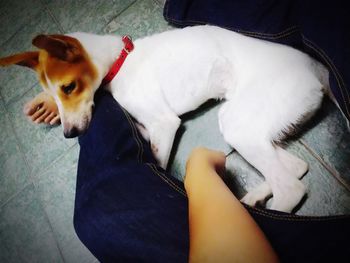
point(52, 163)
point(30, 176)
point(19, 96)
point(48, 220)
point(158, 3)
point(331, 170)
point(41, 205)
point(18, 142)
point(122, 11)
point(61, 29)
point(19, 29)
point(54, 232)
point(11, 37)
point(35, 180)
point(15, 194)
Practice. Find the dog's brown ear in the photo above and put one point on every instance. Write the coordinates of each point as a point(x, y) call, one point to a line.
point(28, 59)
point(57, 46)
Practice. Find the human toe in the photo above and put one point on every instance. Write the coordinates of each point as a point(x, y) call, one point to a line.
point(42, 117)
point(55, 120)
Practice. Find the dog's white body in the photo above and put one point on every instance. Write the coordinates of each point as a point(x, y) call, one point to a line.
point(267, 87)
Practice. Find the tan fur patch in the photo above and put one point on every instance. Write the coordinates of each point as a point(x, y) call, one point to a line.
point(62, 73)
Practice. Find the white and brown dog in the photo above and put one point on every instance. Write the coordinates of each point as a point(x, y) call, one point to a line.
point(268, 88)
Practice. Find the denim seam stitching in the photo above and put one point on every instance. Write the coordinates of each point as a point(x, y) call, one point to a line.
point(154, 167)
point(295, 217)
point(265, 36)
point(141, 150)
point(134, 135)
point(281, 34)
point(278, 35)
point(166, 179)
point(137, 137)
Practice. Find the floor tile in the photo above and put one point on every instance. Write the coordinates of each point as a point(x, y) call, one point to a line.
point(41, 144)
point(161, 2)
point(325, 195)
point(199, 128)
point(5, 253)
point(329, 137)
point(240, 176)
point(141, 19)
point(56, 190)
point(16, 80)
point(25, 232)
point(14, 173)
point(74, 251)
point(2, 107)
point(15, 14)
point(87, 16)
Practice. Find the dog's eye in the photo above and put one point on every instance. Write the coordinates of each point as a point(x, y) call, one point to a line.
point(69, 88)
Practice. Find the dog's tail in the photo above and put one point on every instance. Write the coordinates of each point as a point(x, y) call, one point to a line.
point(323, 75)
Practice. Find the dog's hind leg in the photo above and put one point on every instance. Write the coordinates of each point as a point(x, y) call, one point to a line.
point(261, 193)
point(287, 190)
point(296, 166)
point(248, 136)
point(258, 195)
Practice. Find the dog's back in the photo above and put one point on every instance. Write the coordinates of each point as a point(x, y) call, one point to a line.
point(187, 67)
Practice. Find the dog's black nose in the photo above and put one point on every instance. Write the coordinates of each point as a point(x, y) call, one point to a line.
point(71, 133)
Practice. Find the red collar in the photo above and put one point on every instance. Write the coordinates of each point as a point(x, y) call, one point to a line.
point(128, 47)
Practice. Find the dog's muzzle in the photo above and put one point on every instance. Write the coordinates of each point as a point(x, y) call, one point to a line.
point(71, 133)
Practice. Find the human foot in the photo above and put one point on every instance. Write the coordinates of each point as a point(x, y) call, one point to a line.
point(42, 109)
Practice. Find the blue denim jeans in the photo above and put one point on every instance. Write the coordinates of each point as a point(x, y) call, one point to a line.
point(127, 209)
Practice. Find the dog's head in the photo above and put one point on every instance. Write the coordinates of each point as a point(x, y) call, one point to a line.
point(64, 70)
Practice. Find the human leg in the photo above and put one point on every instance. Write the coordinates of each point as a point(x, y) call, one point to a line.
point(215, 213)
point(127, 209)
point(221, 229)
point(252, 142)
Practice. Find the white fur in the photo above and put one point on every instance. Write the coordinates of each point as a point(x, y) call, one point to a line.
point(268, 88)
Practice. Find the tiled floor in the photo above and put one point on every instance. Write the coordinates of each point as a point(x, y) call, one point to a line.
point(38, 166)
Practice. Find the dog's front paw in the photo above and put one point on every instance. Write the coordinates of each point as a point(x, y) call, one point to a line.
point(288, 198)
point(258, 195)
point(250, 199)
